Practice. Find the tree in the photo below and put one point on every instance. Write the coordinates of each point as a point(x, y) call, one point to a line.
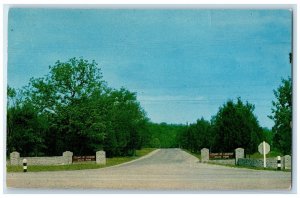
point(25, 130)
point(236, 126)
point(204, 134)
point(164, 135)
point(197, 136)
point(128, 121)
point(268, 136)
point(282, 117)
point(62, 97)
point(11, 94)
point(66, 84)
point(82, 114)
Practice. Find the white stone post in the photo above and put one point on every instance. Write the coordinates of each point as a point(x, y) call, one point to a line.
point(68, 157)
point(14, 158)
point(239, 153)
point(287, 162)
point(204, 155)
point(100, 157)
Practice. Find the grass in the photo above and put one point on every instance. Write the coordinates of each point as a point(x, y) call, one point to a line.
point(144, 151)
point(198, 155)
point(248, 167)
point(80, 166)
point(257, 155)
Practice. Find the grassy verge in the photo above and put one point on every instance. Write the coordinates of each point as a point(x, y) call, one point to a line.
point(80, 166)
point(198, 155)
point(257, 155)
point(248, 167)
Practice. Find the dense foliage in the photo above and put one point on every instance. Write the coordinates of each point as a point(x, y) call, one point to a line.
point(282, 116)
point(233, 126)
point(196, 136)
point(71, 108)
point(236, 126)
point(164, 135)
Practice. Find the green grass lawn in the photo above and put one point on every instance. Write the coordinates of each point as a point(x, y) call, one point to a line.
point(80, 166)
point(257, 155)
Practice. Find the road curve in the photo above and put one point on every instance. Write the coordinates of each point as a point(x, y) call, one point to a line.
point(163, 169)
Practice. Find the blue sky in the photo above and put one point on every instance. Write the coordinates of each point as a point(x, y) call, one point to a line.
point(183, 64)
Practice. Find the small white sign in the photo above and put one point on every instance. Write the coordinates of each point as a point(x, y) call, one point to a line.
point(261, 148)
point(264, 148)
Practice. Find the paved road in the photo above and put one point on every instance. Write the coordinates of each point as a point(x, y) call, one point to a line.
point(164, 169)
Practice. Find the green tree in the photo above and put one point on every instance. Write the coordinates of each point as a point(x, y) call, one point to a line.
point(204, 130)
point(11, 95)
point(268, 136)
point(128, 123)
point(25, 130)
point(282, 117)
point(164, 135)
point(83, 114)
point(236, 126)
point(25, 127)
point(66, 84)
point(63, 97)
point(197, 136)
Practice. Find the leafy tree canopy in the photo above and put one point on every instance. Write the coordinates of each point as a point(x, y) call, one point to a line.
point(282, 117)
point(236, 126)
point(78, 112)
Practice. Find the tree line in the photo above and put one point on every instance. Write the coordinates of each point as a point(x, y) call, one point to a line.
point(163, 135)
point(232, 127)
point(235, 125)
point(72, 108)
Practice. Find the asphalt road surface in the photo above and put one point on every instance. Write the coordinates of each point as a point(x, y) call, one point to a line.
point(163, 169)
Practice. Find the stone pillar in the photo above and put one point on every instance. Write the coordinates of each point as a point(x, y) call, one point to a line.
point(239, 153)
point(14, 158)
point(204, 155)
point(100, 157)
point(287, 162)
point(67, 157)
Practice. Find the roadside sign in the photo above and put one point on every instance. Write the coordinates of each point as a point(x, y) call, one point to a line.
point(261, 148)
point(264, 148)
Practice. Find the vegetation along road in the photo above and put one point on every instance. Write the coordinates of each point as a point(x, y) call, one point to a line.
point(163, 169)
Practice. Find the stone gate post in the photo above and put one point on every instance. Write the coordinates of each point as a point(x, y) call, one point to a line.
point(204, 155)
point(239, 153)
point(100, 157)
point(68, 157)
point(287, 162)
point(14, 158)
